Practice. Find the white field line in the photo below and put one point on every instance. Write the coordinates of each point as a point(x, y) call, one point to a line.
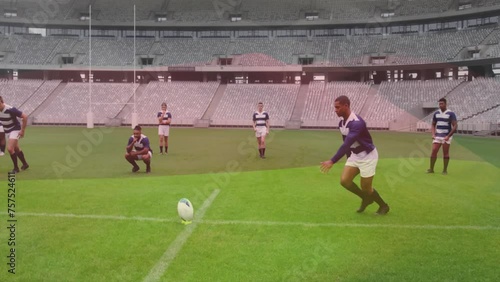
point(161, 266)
point(268, 223)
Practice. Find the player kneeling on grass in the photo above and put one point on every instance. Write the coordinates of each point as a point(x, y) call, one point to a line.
point(362, 156)
point(138, 149)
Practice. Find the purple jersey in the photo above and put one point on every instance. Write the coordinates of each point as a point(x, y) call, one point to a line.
point(356, 137)
point(166, 116)
point(141, 144)
point(8, 118)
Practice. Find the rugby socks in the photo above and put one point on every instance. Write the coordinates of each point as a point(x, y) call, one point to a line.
point(260, 152)
point(376, 197)
point(353, 188)
point(446, 160)
point(263, 152)
point(166, 149)
point(433, 162)
point(20, 155)
point(2, 148)
point(14, 160)
point(161, 149)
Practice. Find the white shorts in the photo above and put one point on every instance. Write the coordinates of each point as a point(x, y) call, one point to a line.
point(261, 131)
point(163, 130)
point(12, 135)
point(367, 163)
point(440, 140)
point(1, 129)
point(149, 153)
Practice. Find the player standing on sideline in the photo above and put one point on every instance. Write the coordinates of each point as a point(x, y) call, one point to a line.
point(362, 156)
point(444, 125)
point(164, 119)
point(13, 132)
point(261, 128)
point(138, 149)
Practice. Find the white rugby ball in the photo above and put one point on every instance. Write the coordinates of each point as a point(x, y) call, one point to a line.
point(185, 209)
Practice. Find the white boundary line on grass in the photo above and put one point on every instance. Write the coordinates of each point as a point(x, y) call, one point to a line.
point(161, 266)
point(198, 220)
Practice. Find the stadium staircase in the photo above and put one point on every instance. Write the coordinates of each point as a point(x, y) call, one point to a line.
point(478, 113)
point(129, 107)
point(295, 121)
point(205, 119)
point(489, 37)
point(49, 100)
point(369, 100)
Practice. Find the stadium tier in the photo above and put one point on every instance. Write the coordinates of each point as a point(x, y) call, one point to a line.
point(54, 102)
point(256, 11)
point(430, 47)
point(71, 104)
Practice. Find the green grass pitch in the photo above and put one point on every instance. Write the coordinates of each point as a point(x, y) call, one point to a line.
point(82, 215)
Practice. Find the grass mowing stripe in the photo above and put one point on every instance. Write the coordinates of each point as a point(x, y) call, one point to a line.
point(92, 216)
point(161, 266)
point(270, 223)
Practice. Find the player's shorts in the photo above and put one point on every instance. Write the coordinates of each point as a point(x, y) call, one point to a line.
point(13, 135)
point(149, 153)
point(1, 129)
point(367, 163)
point(440, 140)
point(261, 131)
point(163, 130)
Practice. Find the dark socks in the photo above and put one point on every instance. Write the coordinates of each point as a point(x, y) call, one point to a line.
point(433, 162)
point(14, 160)
point(263, 151)
point(161, 149)
point(446, 160)
point(260, 152)
point(378, 199)
point(353, 188)
point(20, 155)
point(166, 149)
point(2, 148)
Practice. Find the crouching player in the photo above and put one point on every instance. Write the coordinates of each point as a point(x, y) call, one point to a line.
point(138, 149)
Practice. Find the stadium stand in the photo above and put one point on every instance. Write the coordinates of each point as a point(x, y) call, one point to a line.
point(72, 104)
point(187, 101)
point(39, 96)
point(319, 110)
point(240, 102)
point(281, 49)
point(395, 98)
point(16, 92)
point(433, 47)
point(189, 51)
point(474, 98)
point(256, 11)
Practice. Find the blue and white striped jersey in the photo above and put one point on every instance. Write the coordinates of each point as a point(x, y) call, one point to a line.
point(260, 118)
point(443, 122)
point(8, 118)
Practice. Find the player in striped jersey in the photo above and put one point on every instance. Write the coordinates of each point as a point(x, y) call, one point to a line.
point(261, 128)
point(13, 132)
point(444, 125)
point(164, 119)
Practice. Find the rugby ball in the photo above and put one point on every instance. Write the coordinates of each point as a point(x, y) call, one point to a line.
point(185, 209)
